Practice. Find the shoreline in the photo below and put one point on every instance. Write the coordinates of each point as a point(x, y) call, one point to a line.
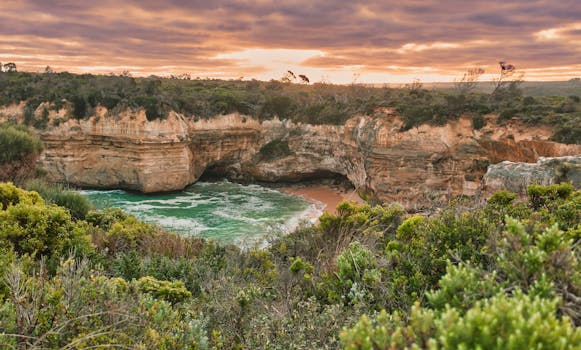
point(328, 196)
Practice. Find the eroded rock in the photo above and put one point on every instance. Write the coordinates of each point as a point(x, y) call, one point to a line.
point(421, 167)
point(516, 177)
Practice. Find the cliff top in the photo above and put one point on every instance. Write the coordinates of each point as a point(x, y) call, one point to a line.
point(318, 103)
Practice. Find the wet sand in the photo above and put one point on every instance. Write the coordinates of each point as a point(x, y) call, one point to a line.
point(329, 196)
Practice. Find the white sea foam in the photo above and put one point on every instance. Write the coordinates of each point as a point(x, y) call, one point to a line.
point(243, 214)
point(189, 226)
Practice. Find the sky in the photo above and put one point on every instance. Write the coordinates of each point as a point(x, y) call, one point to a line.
point(339, 41)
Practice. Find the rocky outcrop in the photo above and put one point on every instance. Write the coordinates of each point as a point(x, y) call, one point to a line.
point(516, 177)
point(125, 151)
point(421, 167)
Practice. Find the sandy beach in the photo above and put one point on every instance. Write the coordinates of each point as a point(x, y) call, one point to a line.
point(330, 196)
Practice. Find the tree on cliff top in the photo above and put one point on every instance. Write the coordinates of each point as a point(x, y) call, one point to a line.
point(505, 86)
point(469, 80)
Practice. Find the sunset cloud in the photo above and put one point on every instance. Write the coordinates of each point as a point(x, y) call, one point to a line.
point(432, 40)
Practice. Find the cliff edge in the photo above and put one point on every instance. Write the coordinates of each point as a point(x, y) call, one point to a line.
point(421, 167)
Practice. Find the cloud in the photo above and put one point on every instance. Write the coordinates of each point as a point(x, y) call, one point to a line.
point(333, 38)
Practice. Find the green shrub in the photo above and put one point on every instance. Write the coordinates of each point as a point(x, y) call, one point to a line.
point(280, 106)
point(461, 287)
point(354, 261)
point(127, 234)
point(106, 217)
point(80, 106)
point(478, 122)
point(501, 198)
point(42, 230)
point(462, 267)
point(409, 228)
point(506, 114)
point(81, 308)
point(318, 103)
point(173, 292)
point(543, 195)
point(20, 150)
point(275, 149)
point(17, 143)
point(78, 204)
point(502, 322)
point(128, 265)
point(12, 195)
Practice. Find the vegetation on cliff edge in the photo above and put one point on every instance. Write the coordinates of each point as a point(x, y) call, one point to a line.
point(19, 150)
point(319, 103)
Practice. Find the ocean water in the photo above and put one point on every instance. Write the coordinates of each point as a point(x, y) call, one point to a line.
point(225, 211)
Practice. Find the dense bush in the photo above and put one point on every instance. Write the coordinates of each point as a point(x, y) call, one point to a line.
point(20, 148)
point(81, 308)
point(28, 226)
point(502, 276)
point(17, 143)
point(77, 204)
point(12, 195)
point(316, 104)
point(501, 322)
point(173, 292)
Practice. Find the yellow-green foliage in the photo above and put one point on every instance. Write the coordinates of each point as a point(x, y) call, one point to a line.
point(502, 198)
point(409, 228)
point(119, 232)
point(128, 232)
point(505, 276)
point(173, 292)
point(462, 286)
point(17, 143)
point(298, 265)
point(12, 195)
point(75, 202)
point(527, 258)
point(260, 267)
point(502, 322)
point(543, 195)
point(31, 227)
point(349, 214)
point(81, 308)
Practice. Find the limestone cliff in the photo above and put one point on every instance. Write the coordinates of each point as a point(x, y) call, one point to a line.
point(516, 177)
point(421, 167)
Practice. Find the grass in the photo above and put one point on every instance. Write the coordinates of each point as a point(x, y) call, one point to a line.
point(77, 204)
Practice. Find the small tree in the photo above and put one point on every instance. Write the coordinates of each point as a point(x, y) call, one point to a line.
point(415, 86)
point(469, 80)
point(506, 84)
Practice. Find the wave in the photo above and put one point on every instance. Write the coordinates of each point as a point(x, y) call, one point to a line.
point(241, 214)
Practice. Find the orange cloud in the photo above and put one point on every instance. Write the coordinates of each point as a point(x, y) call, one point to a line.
point(378, 40)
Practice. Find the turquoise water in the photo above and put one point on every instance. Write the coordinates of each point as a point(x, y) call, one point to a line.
point(241, 214)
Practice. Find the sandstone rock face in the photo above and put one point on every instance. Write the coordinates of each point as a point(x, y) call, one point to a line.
point(126, 152)
point(421, 167)
point(516, 177)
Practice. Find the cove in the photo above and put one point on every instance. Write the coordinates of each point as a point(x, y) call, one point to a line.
point(225, 211)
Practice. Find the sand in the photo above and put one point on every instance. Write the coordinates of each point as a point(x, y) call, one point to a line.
point(329, 196)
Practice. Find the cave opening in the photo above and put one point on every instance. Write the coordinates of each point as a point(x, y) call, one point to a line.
point(231, 171)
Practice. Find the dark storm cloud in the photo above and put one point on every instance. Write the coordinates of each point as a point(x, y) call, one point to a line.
point(445, 36)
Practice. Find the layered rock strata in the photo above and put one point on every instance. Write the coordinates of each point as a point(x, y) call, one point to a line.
point(420, 167)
